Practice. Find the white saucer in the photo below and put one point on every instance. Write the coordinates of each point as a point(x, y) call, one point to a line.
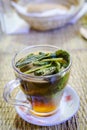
point(68, 108)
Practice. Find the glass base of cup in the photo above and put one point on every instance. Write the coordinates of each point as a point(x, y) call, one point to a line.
point(44, 114)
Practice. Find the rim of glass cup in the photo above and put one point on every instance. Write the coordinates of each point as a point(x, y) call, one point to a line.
point(29, 75)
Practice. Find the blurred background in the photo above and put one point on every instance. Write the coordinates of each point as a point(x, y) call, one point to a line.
point(19, 16)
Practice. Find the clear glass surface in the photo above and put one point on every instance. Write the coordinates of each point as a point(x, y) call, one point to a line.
point(43, 93)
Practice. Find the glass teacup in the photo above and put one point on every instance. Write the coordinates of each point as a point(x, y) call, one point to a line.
point(43, 93)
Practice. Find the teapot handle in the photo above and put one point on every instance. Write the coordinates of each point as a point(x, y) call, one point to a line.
point(8, 89)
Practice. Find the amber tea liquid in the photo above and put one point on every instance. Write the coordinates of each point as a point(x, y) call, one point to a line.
point(45, 97)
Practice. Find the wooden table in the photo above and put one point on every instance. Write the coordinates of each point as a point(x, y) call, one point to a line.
point(67, 38)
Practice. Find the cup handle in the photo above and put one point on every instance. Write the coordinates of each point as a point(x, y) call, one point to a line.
point(9, 87)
